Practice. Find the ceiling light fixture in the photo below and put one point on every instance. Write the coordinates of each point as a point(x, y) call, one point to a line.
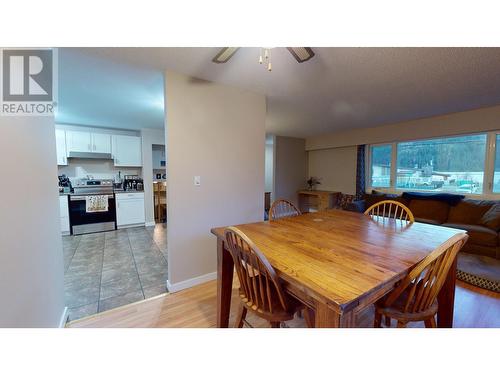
point(301, 54)
point(266, 58)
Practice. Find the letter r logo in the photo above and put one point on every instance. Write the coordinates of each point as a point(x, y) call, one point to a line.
point(27, 75)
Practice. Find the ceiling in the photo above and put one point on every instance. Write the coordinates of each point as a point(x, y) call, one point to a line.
point(340, 88)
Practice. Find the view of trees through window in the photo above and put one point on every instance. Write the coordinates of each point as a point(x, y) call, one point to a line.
point(381, 165)
point(446, 164)
point(454, 164)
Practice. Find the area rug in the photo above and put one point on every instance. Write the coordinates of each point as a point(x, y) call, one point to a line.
point(480, 271)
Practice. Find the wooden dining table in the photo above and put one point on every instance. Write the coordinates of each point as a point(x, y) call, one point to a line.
point(338, 262)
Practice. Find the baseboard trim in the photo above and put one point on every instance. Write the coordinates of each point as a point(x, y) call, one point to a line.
point(190, 282)
point(64, 317)
point(130, 226)
point(150, 224)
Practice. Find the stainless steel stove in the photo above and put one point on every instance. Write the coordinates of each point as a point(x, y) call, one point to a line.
point(82, 221)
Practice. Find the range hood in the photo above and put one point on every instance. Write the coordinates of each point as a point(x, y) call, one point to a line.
point(89, 155)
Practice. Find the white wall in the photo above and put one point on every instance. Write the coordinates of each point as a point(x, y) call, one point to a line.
point(336, 167)
point(218, 133)
point(290, 170)
point(31, 259)
point(150, 137)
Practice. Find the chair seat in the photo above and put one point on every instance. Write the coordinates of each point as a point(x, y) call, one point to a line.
point(395, 311)
point(278, 314)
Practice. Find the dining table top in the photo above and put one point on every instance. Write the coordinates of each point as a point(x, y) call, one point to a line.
point(341, 256)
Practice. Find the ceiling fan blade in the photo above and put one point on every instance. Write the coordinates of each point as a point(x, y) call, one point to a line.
point(225, 54)
point(301, 54)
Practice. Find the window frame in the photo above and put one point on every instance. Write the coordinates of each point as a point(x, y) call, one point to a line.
point(489, 165)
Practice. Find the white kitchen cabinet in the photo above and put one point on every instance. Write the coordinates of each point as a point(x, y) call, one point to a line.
point(101, 143)
point(82, 141)
point(127, 151)
point(64, 213)
point(130, 209)
point(61, 147)
point(78, 141)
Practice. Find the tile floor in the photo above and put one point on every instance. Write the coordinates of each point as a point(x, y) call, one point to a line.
point(106, 270)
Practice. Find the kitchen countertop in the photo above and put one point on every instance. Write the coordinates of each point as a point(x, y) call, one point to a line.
point(116, 192)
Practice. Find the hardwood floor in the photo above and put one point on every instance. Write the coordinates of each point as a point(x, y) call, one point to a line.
point(196, 307)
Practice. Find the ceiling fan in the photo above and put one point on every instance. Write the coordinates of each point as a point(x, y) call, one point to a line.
point(301, 54)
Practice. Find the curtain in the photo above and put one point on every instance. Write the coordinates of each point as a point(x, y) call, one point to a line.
point(360, 172)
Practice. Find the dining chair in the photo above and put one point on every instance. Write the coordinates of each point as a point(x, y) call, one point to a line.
point(260, 288)
point(415, 298)
point(392, 209)
point(282, 208)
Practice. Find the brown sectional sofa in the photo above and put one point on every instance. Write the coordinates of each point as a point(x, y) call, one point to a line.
point(480, 218)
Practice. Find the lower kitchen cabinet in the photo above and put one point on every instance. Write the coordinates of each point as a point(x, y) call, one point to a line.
point(129, 209)
point(64, 213)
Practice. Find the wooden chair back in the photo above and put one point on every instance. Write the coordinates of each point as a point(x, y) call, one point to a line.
point(282, 208)
point(425, 280)
point(260, 286)
point(391, 209)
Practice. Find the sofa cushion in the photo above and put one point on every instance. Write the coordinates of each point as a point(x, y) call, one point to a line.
point(469, 211)
point(491, 218)
point(478, 234)
point(429, 209)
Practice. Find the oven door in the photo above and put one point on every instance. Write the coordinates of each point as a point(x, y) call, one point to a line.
point(82, 221)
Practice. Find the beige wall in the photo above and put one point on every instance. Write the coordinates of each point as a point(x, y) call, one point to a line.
point(336, 167)
point(290, 167)
point(150, 137)
point(31, 259)
point(218, 133)
point(456, 123)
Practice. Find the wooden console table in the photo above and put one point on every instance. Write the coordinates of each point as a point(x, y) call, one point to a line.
point(320, 200)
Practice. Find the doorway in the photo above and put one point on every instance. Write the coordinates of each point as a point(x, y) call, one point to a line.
point(159, 183)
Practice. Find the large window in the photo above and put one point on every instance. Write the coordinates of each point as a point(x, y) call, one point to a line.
point(452, 164)
point(381, 165)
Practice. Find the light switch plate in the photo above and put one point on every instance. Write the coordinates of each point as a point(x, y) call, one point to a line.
point(197, 180)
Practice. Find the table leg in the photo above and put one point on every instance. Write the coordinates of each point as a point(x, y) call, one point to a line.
point(325, 317)
point(225, 268)
point(446, 298)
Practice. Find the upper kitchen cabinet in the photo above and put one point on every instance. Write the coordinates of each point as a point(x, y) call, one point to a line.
point(101, 143)
point(127, 151)
point(81, 141)
point(61, 147)
point(78, 141)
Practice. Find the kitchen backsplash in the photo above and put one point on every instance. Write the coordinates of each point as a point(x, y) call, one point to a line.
point(97, 168)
